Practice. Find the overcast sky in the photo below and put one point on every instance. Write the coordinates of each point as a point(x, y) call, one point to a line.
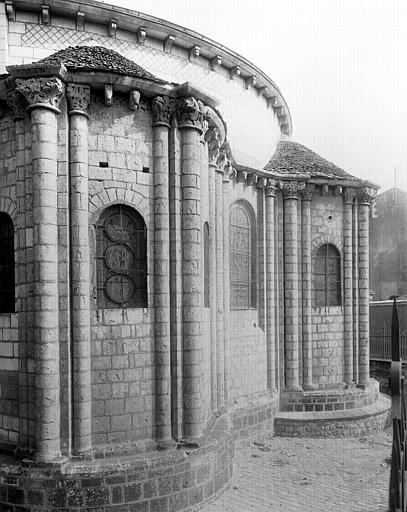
point(340, 64)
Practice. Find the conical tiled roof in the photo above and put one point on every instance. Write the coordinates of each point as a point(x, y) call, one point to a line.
point(293, 158)
point(98, 58)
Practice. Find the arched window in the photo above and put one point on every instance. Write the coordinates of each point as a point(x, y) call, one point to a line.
point(121, 253)
point(206, 265)
point(7, 284)
point(242, 258)
point(327, 277)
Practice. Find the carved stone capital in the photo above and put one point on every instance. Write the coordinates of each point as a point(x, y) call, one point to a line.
point(291, 189)
point(191, 113)
point(17, 104)
point(349, 195)
point(78, 97)
point(212, 137)
point(162, 108)
point(366, 195)
point(271, 188)
point(307, 191)
point(42, 92)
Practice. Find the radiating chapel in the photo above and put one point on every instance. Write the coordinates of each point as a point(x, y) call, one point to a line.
point(178, 276)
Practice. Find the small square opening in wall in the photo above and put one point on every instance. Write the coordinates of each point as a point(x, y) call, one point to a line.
point(146, 169)
point(103, 164)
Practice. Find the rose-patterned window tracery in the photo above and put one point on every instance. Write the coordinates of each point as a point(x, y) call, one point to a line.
point(242, 258)
point(121, 247)
point(7, 283)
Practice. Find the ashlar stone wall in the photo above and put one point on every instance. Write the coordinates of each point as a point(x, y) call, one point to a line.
point(327, 322)
point(122, 345)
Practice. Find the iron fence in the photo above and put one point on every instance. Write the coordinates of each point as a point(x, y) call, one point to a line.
point(380, 344)
point(398, 478)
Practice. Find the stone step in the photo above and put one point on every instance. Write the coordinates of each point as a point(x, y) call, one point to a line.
point(344, 423)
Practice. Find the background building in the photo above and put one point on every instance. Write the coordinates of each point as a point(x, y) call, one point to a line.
point(185, 275)
point(388, 245)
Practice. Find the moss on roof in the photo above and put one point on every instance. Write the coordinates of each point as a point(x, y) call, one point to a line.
point(98, 58)
point(293, 158)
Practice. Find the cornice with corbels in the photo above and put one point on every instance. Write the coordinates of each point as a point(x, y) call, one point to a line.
point(194, 47)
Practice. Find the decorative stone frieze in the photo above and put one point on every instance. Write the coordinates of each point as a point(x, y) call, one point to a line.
point(78, 96)
point(17, 104)
point(349, 195)
point(42, 92)
point(162, 108)
point(212, 137)
point(307, 192)
point(191, 113)
point(291, 189)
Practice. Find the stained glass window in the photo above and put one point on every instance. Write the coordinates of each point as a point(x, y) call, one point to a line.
point(7, 283)
point(242, 259)
point(327, 277)
point(121, 247)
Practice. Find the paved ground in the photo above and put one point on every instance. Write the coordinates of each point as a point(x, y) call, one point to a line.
point(310, 475)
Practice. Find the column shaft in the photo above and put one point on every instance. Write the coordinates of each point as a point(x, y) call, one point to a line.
point(348, 286)
point(270, 284)
point(45, 283)
point(192, 281)
point(363, 293)
point(220, 345)
point(291, 295)
point(355, 273)
point(80, 282)
point(226, 287)
point(306, 290)
point(213, 287)
point(162, 282)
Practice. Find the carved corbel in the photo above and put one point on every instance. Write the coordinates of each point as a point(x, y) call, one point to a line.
point(80, 21)
point(235, 71)
point(263, 91)
point(112, 28)
point(141, 35)
point(241, 176)
point(108, 95)
point(261, 182)
point(45, 14)
point(168, 42)
point(10, 10)
point(44, 92)
point(251, 179)
point(78, 97)
point(280, 111)
point(216, 62)
point(250, 81)
point(324, 189)
point(194, 52)
point(337, 190)
point(134, 99)
point(272, 102)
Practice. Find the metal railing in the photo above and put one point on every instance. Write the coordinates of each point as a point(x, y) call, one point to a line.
point(380, 344)
point(398, 478)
